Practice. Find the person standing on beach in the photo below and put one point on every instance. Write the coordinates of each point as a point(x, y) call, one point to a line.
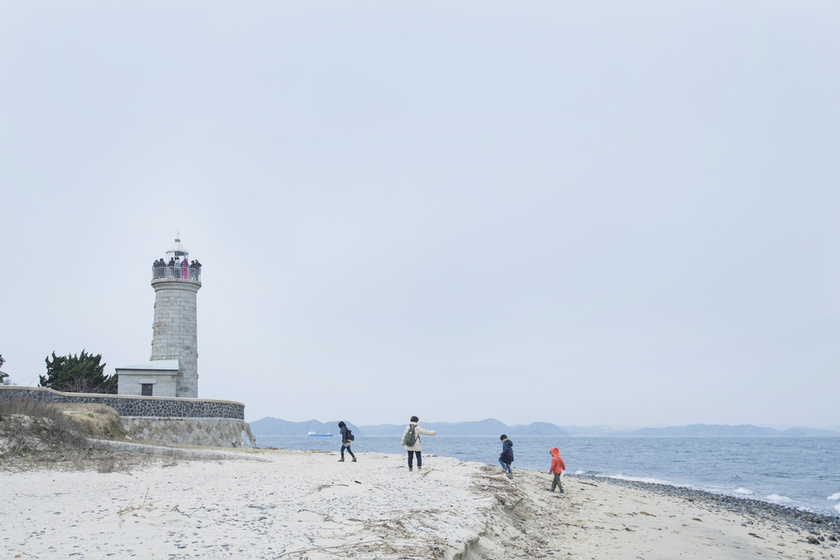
point(557, 468)
point(346, 439)
point(506, 457)
point(411, 441)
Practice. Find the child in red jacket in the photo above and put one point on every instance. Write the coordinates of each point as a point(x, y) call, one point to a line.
point(557, 468)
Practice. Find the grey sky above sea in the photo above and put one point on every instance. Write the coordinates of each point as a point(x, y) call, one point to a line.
point(600, 212)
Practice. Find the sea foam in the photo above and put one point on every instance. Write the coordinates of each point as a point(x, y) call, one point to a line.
point(642, 479)
point(777, 499)
point(834, 497)
point(743, 491)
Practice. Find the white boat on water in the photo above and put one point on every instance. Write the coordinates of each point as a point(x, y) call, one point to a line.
point(312, 433)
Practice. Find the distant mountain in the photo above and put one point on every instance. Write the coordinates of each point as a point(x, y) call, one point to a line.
point(488, 427)
point(536, 429)
point(714, 430)
point(384, 430)
point(602, 430)
point(277, 427)
point(704, 430)
point(492, 427)
point(809, 432)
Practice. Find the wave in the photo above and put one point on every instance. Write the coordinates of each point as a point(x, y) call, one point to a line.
point(834, 497)
point(777, 499)
point(741, 491)
point(646, 480)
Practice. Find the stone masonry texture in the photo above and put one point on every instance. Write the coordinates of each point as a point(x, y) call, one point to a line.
point(175, 329)
point(171, 421)
point(150, 407)
point(213, 432)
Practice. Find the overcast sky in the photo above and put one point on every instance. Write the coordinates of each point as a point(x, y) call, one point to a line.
point(592, 212)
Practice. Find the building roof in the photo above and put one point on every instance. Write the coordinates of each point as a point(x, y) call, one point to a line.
point(161, 365)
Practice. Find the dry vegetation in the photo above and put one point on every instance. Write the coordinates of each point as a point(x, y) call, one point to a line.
point(94, 420)
point(43, 435)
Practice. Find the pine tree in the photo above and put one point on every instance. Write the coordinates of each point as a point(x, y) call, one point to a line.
point(82, 373)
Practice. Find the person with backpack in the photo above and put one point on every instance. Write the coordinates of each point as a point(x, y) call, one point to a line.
point(346, 439)
point(506, 457)
point(411, 441)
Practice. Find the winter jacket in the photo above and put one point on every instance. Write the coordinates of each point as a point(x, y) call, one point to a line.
point(417, 431)
point(507, 451)
point(557, 464)
point(345, 431)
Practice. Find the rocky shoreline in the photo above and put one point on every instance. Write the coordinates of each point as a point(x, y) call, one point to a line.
point(823, 527)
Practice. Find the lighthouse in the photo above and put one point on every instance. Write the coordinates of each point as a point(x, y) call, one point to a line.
point(175, 326)
point(172, 369)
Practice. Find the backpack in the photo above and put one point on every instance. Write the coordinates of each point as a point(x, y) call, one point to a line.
point(350, 436)
point(410, 437)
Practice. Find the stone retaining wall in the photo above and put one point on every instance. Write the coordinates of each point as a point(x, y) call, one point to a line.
point(126, 405)
point(166, 420)
point(209, 432)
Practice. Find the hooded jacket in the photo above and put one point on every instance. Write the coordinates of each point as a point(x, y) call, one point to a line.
point(507, 451)
point(345, 432)
point(557, 464)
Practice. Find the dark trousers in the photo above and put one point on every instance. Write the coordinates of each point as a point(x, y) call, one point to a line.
point(347, 447)
point(411, 459)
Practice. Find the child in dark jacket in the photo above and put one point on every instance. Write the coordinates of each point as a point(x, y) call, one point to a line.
point(506, 457)
point(557, 468)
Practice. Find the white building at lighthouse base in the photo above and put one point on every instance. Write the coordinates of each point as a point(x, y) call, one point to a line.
point(154, 378)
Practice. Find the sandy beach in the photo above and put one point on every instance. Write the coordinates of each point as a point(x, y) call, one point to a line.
point(289, 504)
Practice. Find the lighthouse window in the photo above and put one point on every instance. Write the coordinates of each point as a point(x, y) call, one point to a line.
point(146, 389)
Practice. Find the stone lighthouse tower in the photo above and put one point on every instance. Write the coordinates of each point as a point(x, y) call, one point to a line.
point(176, 282)
point(172, 370)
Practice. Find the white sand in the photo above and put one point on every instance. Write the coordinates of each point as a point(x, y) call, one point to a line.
point(307, 505)
point(603, 520)
point(295, 505)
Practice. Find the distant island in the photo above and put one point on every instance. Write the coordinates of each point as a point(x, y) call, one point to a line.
point(491, 427)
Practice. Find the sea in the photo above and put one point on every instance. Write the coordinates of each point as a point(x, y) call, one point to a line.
point(798, 472)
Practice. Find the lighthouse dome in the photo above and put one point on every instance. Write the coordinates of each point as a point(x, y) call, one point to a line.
point(178, 250)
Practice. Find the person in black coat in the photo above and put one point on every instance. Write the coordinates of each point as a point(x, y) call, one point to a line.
point(346, 439)
point(506, 457)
